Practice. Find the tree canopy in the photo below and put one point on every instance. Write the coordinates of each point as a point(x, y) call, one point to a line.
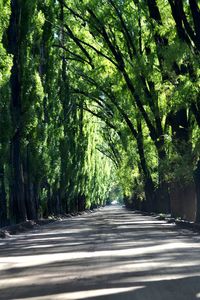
point(99, 98)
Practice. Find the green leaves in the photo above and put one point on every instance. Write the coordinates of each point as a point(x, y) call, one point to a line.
point(109, 97)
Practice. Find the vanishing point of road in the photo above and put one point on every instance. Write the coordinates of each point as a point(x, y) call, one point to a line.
point(110, 255)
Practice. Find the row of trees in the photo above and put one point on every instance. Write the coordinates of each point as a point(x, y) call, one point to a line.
point(136, 63)
point(49, 157)
point(95, 88)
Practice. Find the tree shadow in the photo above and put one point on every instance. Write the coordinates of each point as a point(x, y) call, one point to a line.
point(109, 255)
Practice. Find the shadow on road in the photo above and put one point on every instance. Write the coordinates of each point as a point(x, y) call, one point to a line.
point(113, 254)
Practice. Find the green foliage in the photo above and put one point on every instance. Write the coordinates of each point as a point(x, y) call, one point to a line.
point(159, 69)
point(5, 68)
point(109, 101)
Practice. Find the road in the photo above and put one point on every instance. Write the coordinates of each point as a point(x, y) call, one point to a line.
point(110, 255)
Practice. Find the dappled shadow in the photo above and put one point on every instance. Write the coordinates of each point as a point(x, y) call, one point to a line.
point(112, 254)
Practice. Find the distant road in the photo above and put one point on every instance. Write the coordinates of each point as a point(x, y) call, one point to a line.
point(111, 254)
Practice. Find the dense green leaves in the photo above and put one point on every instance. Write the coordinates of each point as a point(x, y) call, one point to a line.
point(95, 96)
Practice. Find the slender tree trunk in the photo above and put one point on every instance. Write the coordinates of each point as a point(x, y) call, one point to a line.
point(17, 186)
point(28, 189)
point(197, 184)
point(35, 187)
point(65, 101)
point(17, 191)
point(163, 195)
point(49, 199)
point(3, 202)
point(148, 182)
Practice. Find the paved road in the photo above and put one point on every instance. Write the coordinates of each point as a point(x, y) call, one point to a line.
point(110, 255)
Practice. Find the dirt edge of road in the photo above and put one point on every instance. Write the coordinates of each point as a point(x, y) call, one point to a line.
point(180, 223)
point(9, 231)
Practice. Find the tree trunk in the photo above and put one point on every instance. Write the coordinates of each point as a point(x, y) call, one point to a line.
point(28, 189)
point(17, 190)
point(197, 184)
point(162, 193)
point(49, 199)
point(3, 204)
point(65, 101)
point(148, 182)
point(17, 186)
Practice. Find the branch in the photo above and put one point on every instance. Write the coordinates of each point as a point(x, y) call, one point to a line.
point(77, 56)
point(99, 101)
point(109, 155)
point(77, 41)
point(72, 11)
point(99, 116)
point(131, 48)
point(116, 53)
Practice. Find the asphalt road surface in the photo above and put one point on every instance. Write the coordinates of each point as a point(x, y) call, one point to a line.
point(110, 255)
